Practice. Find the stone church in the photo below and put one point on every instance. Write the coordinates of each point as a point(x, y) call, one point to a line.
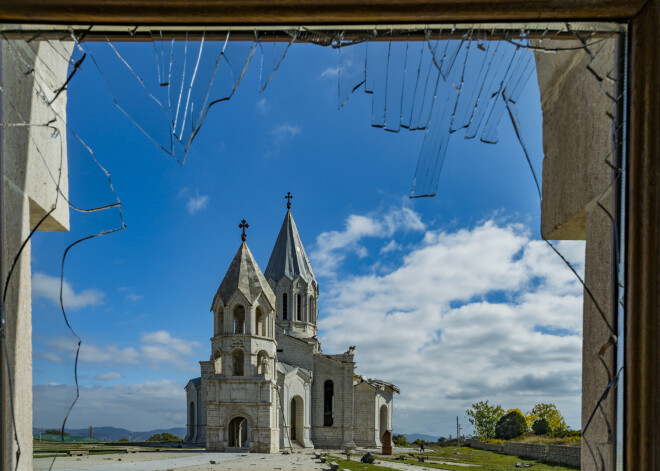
point(268, 385)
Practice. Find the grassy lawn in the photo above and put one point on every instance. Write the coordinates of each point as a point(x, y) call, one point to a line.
point(476, 459)
point(49, 449)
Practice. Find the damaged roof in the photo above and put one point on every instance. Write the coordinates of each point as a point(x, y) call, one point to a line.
point(289, 257)
point(244, 275)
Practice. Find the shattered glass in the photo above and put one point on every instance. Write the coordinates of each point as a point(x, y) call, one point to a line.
point(447, 82)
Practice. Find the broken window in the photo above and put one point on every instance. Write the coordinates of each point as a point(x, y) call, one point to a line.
point(444, 82)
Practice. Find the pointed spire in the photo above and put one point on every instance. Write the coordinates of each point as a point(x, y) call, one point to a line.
point(289, 257)
point(244, 275)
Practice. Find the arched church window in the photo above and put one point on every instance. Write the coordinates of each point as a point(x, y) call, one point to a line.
point(219, 319)
point(239, 319)
point(299, 308)
point(263, 365)
point(261, 322)
point(328, 403)
point(285, 307)
point(237, 357)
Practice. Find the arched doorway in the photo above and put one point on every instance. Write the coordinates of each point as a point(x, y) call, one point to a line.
point(297, 413)
point(238, 432)
point(383, 421)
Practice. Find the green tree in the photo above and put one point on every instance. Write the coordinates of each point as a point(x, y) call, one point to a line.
point(541, 427)
point(124, 439)
point(400, 440)
point(484, 417)
point(551, 414)
point(511, 425)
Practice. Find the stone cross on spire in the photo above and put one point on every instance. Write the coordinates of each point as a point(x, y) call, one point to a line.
point(288, 197)
point(243, 225)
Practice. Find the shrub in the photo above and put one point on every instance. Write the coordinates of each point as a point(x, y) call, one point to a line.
point(123, 439)
point(510, 426)
point(164, 437)
point(400, 440)
point(541, 427)
point(55, 432)
point(568, 434)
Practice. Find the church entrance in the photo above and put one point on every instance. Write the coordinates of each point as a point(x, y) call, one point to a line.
point(297, 419)
point(238, 432)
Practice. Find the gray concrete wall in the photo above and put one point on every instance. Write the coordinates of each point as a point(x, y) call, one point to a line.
point(577, 140)
point(32, 152)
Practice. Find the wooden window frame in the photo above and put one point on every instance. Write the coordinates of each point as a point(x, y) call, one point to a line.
point(642, 326)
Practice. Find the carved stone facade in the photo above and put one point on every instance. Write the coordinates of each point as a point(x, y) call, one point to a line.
point(268, 385)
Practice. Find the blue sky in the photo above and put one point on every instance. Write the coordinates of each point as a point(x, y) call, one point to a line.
point(453, 298)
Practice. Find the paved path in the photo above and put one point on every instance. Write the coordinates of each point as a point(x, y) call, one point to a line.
point(133, 462)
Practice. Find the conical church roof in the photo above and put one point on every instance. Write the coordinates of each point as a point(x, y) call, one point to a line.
point(244, 275)
point(289, 258)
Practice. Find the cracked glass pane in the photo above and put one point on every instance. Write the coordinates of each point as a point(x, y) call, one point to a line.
point(450, 83)
point(167, 88)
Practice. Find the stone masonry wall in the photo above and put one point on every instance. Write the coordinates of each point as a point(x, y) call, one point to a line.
point(556, 454)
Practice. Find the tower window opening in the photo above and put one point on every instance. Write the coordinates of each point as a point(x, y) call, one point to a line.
point(285, 307)
point(299, 308)
point(261, 322)
point(239, 320)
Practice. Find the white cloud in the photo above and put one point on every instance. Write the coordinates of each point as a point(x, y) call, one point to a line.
point(196, 203)
point(390, 247)
point(481, 313)
point(162, 338)
point(157, 350)
point(108, 376)
point(48, 288)
point(332, 247)
point(139, 407)
point(330, 72)
point(285, 131)
point(261, 105)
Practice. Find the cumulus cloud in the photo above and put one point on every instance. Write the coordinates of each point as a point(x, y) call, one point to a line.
point(48, 288)
point(144, 406)
point(285, 131)
point(157, 350)
point(332, 247)
point(480, 313)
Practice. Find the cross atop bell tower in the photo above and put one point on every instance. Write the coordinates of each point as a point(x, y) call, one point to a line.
point(243, 225)
point(288, 197)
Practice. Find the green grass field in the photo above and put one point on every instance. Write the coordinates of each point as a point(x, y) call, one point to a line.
point(475, 459)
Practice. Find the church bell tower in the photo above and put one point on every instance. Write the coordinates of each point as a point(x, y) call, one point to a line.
point(240, 378)
point(290, 275)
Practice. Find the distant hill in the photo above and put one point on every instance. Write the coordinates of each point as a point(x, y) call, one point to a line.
point(113, 434)
point(411, 437)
